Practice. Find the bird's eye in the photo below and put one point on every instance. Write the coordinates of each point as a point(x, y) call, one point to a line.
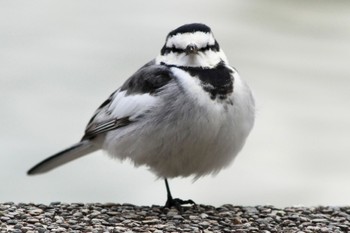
point(172, 49)
point(203, 49)
point(208, 47)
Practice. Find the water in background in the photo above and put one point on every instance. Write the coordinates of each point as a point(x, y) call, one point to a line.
point(61, 59)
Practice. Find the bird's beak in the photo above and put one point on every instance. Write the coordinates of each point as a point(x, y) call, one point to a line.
point(191, 49)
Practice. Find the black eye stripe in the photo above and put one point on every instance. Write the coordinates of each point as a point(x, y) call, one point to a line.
point(209, 47)
point(166, 50)
point(176, 50)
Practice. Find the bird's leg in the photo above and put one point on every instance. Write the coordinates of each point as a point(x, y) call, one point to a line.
point(176, 202)
point(169, 197)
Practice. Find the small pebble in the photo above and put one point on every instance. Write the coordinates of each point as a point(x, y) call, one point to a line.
point(205, 224)
point(35, 212)
point(178, 217)
point(110, 217)
point(32, 220)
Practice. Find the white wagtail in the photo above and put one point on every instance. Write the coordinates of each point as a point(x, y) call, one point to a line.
point(185, 113)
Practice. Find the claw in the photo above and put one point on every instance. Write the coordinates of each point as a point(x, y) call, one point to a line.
point(176, 202)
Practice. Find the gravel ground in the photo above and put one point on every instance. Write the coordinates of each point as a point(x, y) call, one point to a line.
point(110, 217)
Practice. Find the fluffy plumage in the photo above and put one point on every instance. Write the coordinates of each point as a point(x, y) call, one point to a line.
point(185, 113)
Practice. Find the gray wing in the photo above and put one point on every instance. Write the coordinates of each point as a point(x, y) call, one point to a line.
point(117, 111)
point(149, 79)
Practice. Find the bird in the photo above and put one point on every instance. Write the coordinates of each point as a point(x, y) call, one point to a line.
point(186, 113)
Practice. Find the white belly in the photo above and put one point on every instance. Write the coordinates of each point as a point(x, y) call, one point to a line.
point(187, 134)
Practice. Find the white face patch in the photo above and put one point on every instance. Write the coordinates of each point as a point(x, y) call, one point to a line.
point(182, 40)
point(206, 58)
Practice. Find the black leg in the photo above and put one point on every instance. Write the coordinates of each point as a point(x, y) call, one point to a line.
point(175, 202)
point(169, 197)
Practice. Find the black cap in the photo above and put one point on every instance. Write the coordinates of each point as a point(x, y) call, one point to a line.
point(193, 27)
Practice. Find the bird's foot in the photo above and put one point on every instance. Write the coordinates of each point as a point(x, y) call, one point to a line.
point(178, 203)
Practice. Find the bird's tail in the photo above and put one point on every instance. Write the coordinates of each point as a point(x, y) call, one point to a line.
point(74, 152)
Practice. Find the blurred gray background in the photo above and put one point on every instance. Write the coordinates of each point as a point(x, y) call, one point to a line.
point(60, 59)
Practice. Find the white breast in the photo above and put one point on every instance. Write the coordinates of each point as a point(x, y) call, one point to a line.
point(186, 133)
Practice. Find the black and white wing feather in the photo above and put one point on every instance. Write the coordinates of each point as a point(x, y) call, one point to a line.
point(136, 95)
point(124, 107)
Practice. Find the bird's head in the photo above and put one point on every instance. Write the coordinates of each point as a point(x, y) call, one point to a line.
point(191, 45)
